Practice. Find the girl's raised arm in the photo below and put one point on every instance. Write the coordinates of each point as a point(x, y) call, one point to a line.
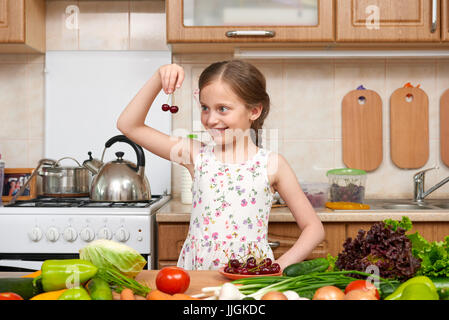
point(132, 120)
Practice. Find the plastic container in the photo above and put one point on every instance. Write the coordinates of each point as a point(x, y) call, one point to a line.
point(186, 181)
point(2, 177)
point(317, 193)
point(347, 185)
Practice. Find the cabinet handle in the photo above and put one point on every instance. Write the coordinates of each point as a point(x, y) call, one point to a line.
point(274, 244)
point(251, 33)
point(434, 16)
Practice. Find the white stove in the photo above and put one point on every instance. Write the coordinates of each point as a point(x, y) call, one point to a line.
point(32, 231)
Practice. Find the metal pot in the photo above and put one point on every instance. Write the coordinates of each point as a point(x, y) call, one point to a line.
point(59, 181)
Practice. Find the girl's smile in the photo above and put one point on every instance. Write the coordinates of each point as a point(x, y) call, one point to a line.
point(223, 114)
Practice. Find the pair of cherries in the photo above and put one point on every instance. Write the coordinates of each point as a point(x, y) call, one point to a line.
point(166, 107)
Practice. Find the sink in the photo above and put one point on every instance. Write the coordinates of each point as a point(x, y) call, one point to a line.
point(407, 206)
point(442, 205)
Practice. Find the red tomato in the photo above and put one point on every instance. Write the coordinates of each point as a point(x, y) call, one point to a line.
point(363, 285)
point(172, 280)
point(10, 296)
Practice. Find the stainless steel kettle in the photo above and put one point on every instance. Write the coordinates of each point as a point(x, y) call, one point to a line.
point(119, 180)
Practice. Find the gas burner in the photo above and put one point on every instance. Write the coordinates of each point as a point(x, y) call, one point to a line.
point(50, 202)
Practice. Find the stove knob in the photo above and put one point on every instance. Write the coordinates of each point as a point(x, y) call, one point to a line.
point(87, 234)
point(70, 234)
point(122, 234)
point(105, 233)
point(35, 234)
point(52, 234)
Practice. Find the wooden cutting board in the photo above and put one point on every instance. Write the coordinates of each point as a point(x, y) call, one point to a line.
point(409, 128)
point(444, 127)
point(362, 130)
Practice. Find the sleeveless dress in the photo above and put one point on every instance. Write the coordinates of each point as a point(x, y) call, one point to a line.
point(230, 209)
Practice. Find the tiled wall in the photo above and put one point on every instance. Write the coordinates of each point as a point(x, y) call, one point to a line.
point(306, 95)
point(306, 110)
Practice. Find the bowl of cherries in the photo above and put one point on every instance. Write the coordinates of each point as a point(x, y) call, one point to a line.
point(251, 267)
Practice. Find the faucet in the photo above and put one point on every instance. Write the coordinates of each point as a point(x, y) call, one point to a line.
point(419, 194)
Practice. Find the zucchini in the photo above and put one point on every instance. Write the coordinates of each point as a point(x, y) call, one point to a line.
point(24, 287)
point(306, 267)
point(99, 289)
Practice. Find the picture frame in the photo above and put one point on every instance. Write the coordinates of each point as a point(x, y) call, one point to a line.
point(15, 178)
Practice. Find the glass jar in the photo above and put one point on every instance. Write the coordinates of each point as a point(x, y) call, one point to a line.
point(347, 185)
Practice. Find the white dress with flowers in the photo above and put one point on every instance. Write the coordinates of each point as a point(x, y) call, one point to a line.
point(230, 208)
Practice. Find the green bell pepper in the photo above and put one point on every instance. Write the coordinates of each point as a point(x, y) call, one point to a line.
point(77, 293)
point(60, 274)
point(416, 288)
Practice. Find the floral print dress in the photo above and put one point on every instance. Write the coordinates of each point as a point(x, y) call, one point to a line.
point(230, 209)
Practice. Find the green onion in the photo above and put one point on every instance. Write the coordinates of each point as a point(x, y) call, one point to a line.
point(258, 286)
point(120, 281)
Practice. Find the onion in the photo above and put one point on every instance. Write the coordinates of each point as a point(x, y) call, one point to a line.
point(274, 295)
point(360, 295)
point(329, 293)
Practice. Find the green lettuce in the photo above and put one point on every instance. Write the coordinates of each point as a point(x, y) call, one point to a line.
point(434, 255)
point(110, 254)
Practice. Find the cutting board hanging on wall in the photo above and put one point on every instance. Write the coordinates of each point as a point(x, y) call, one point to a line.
point(409, 128)
point(362, 130)
point(444, 127)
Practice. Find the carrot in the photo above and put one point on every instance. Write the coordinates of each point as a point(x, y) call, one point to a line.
point(127, 294)
point(32, 275)
point(182, 296)
point(158, 295)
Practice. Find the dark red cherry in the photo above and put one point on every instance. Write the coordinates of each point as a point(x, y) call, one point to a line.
point(165, 107)
point(174, 109)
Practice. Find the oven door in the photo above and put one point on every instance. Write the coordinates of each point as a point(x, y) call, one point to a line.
point(29, 261)
point(33, 261)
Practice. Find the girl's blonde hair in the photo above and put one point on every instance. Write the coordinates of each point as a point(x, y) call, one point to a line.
point(247, 82)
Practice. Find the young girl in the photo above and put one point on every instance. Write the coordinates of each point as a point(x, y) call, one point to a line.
point(234, 178)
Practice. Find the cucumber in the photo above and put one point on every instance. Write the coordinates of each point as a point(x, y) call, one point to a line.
point(24, 287)
point(99, 289)
point(442, 285)
point(306, 267)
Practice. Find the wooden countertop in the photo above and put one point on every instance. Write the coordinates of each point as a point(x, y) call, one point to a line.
point(198, 279)
point(175, 211)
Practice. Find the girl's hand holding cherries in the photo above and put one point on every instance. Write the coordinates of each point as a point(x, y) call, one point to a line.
point(172, 77)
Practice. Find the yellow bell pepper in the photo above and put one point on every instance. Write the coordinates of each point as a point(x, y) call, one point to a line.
point(50, 295)
point(347, 206)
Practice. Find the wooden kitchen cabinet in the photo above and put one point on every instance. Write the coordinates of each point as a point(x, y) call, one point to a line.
point(388, 20)
point(283, 235)
point(209, 21)
point(287, 233)
point(445, 20)
point(171, 237)
point(22, 26)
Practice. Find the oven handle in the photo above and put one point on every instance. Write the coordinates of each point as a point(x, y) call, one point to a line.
point(32, 265)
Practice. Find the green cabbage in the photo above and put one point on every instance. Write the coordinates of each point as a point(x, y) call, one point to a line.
point(110, 254)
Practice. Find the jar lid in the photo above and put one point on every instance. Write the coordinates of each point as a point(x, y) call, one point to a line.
point(346, 172)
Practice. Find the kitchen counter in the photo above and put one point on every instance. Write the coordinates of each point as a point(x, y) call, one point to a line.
point(198, 279)
point(175, 211)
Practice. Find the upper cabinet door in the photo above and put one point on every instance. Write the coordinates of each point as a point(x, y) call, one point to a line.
point(12, 21)
point(388, 20)
point(230, 21)
point(445, 23)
